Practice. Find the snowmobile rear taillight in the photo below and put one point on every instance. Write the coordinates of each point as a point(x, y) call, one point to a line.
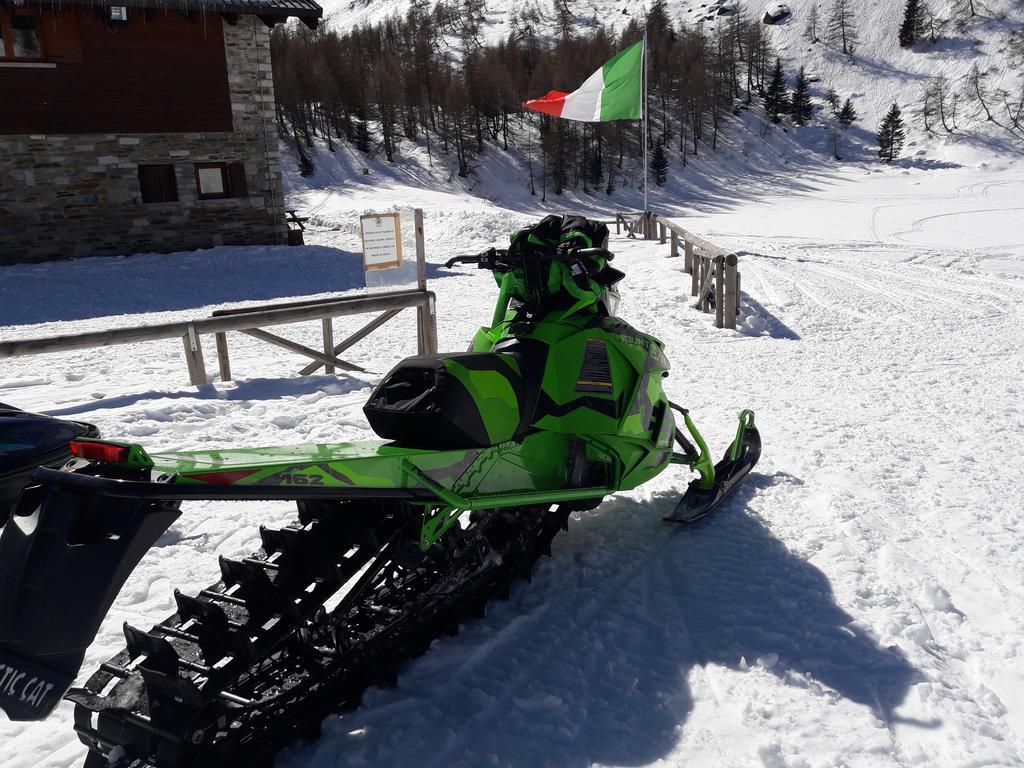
point(94, 450)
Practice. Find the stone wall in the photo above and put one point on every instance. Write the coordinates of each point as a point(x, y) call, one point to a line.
point(78, 195)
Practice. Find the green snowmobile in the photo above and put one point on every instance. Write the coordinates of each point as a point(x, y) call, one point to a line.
point(557, 405)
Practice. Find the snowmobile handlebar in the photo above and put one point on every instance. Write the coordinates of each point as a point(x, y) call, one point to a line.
point(501, 260)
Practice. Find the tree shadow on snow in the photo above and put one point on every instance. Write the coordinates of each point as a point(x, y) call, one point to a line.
point(590, 663)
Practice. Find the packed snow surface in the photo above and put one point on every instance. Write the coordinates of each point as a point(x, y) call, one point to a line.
point(858, 602)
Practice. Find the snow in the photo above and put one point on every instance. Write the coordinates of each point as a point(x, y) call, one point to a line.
point(859, 601)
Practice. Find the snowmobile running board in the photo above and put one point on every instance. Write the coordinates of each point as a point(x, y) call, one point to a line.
point(142, 490)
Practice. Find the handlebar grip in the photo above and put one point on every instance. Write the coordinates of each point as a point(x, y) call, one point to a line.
point(593, 252)
point(462, 260)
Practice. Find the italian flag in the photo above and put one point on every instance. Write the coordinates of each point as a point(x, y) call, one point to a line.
point(611, 93)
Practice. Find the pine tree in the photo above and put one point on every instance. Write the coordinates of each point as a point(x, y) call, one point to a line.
point(914, 23)
point(776, 98)
point(890, 135)
point(833, 101)
point(362, 135)
point(811, 30)
point(841, 29)
point(847, 114)
point(800, 104)
point(659, 164)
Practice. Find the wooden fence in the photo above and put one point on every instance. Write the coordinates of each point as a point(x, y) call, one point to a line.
point(715, 277)
point(252, 320)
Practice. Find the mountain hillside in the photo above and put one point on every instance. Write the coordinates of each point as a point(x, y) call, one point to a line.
point(878, 74)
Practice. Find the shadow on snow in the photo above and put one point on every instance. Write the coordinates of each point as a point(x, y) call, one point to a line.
point(163, 282)
point(590, 663)
point(244, 389)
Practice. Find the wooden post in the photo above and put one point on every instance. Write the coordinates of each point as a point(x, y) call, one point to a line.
point(674, 253)
point(222, 356)
point(194, 357)
point(719, 291)
point(661, 231)
point(328, 325)
point(421, 256)
point(618, 218)
point(695, 270)
point(426, 322)
point(731, 291)
point(688, 258)
point(707, 284)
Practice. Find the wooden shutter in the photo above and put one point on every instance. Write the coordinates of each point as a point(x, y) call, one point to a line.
point(157, 183)
point(236, 180)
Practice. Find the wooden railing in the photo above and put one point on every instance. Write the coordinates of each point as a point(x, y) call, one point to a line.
point(251, 321)
point(715, 277)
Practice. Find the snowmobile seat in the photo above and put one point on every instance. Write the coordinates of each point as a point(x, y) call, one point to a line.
point(461, 400)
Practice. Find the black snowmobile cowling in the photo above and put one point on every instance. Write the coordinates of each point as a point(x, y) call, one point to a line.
point(30, 440)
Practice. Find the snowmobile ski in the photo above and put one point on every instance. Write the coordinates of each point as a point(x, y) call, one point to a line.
point(701, 496)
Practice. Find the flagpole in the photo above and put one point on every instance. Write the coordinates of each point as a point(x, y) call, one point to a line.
point(643, 107)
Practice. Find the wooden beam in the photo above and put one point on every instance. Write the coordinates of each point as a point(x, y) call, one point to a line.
point(300, 349)
point(731, 291)
point(421, 253)
point(194, 356)
point(355, 305)
point(719, 291)
point(355, 338)
point(328, 328)
point(707, 274)
point(222, 356)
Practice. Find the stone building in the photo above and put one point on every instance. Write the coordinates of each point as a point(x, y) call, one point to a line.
point(140, 127)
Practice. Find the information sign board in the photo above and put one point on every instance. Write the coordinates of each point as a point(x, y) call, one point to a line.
point(382, 241)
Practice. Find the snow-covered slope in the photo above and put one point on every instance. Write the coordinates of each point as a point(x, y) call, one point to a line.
point(880, 73)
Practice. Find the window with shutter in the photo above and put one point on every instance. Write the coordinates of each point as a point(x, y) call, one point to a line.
point(19, 36)
point(157, 183)
point(219, 180)
point(212, 181)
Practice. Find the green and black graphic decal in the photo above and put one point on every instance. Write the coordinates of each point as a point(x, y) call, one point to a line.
point(596, 373)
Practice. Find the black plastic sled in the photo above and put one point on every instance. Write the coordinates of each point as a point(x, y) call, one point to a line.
point(30, 440)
